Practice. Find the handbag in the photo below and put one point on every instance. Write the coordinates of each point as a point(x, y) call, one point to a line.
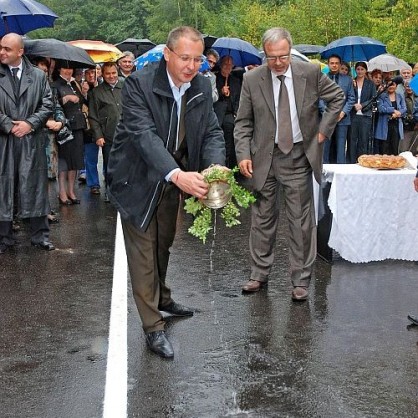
point(78, 121)
point(64, 135)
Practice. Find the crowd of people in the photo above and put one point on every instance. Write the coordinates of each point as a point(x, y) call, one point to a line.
point(159, 127)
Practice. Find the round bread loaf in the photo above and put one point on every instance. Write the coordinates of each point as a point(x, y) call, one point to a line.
point(382, 161)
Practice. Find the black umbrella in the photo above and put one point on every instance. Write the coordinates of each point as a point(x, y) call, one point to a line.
point(308, 49)
point(136, 46)
point(58, 50)
point(209, 40)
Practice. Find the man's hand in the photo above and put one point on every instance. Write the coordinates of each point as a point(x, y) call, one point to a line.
point(100, 142)
point(191, 182)
point(321, 138)
point(70, 98)
point(416, 184)
point(53, 125)
point(20, 128)
point(341, 116)
point(246, 168)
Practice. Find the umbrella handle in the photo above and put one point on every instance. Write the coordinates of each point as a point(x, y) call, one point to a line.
point(225, 88)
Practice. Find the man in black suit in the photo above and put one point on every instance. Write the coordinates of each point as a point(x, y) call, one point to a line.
point(25, 106)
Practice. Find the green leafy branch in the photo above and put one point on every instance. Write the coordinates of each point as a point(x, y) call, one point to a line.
point(230, 213)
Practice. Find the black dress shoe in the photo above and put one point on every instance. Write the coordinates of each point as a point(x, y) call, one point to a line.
point(45, 245)
point(3, 248)
point(158, 343)
point(74, 201)
point(176, 309)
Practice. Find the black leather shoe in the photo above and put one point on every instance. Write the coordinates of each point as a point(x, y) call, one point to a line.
point(413, 320)
point(3, 248)
point(158, 343)
point(74, 201)
point(45, 245)
point(176, 309)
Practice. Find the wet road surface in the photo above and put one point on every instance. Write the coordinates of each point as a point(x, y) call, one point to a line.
point(347, 352)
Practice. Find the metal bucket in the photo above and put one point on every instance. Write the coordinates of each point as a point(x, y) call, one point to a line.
point(218, 196)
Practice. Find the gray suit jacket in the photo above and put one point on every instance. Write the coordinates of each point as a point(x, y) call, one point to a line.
point(255, 125)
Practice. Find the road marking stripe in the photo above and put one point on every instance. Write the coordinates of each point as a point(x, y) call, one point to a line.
point(116, 391)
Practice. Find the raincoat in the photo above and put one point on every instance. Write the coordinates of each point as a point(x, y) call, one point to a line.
point(23, 161)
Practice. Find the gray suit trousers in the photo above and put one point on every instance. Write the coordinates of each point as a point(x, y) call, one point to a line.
point(294, 174)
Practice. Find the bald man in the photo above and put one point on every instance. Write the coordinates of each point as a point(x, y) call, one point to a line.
point(25, 106)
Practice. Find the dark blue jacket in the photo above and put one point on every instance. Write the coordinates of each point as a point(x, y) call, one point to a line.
point(385, 108)
point(140, 157)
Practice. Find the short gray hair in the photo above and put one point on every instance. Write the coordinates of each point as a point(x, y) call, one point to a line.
point(183, 32)
point(276, 34)
point(126, 54)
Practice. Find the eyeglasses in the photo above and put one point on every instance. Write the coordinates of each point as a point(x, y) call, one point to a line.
point(281, 58)
point(186, 58)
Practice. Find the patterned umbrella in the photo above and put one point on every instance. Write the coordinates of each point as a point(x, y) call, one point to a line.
point(23, 16)
point(155, 54)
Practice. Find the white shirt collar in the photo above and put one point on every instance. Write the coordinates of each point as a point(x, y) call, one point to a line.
point(288, 73)
point(177, 92)
point(20, 66)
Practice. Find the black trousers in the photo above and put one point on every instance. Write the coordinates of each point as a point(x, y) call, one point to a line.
point(39, 229)
point(228, 125)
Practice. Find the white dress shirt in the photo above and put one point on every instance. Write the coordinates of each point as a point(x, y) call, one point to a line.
point(297, 134)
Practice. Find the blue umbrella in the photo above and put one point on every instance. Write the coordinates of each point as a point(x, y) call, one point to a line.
point(23, 16)
point(354, 48)
point(155, 54)
point(242, 52)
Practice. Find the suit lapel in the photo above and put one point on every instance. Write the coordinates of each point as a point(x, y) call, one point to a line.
point(26, 78)
point(266, 87)
point(299, 86)
point(7, 84)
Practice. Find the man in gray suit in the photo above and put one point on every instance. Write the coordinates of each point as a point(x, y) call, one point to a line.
point(287, 158)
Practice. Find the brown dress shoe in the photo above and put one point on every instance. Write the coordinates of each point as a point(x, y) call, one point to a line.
point(300, 293)
point(252, 286)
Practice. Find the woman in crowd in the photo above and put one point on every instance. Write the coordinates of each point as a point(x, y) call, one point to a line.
point(345, 68)
point(389, 130)
point(70, 154)
point(361, 122)
point(410, 141)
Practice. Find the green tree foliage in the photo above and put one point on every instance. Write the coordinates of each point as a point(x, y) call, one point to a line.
point(394, 22)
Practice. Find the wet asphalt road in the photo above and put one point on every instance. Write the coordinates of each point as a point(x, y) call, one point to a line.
point(347, 352)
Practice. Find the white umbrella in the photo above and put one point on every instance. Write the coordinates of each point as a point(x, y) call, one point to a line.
point(386, 63)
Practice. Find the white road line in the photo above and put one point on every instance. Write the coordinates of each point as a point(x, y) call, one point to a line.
point(116, 391)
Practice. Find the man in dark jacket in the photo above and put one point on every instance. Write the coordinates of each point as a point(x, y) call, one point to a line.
point(25, 106)
point(167, 133)
point(104, 111)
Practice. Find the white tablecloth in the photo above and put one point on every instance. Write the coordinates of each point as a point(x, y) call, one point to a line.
point(375, 213)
